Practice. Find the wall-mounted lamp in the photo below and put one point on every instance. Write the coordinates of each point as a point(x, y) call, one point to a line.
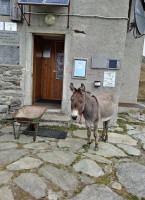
point(97, 83)
point(49, 19)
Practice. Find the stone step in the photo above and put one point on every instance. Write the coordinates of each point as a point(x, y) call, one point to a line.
point(55, 119)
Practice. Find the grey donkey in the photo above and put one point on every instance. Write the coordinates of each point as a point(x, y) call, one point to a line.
point(94, 109)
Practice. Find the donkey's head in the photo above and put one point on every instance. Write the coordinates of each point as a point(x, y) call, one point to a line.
point(77, 100)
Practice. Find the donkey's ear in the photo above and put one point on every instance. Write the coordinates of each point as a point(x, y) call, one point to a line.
point(72, 88)
point(82, 87)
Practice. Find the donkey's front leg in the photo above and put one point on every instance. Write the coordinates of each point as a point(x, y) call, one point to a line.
point(88, 134)
point(95, 134)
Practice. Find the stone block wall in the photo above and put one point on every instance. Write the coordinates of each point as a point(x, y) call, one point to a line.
point(141, 91)
point(10, 89)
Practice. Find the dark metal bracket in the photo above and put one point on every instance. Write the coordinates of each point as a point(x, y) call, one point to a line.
point(23, 14)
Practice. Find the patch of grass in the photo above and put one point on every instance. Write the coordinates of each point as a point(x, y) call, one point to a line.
point(126, 121)
point(78, 158)
point(107, 178)
point(78, 190)
point(122, 124)
point(127, 196)
point(65, 128)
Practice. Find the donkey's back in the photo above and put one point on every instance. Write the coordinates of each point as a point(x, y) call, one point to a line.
point(106, 106)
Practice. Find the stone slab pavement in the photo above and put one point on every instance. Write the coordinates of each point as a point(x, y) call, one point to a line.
point(52, 169)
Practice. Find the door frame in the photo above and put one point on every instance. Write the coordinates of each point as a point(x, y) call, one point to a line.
point(27, 63)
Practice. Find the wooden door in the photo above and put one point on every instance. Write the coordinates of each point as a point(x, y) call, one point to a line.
point(37, 68)
point(52, 69)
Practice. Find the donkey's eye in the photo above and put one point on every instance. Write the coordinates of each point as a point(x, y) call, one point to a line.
point(81, 102)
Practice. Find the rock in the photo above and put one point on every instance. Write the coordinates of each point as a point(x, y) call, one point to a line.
point(107, 169)
point(25, 163)
point(116, 185)
point(132, 176)
point(9, 156)
point(73, 144)
point(54, 148)
point(54, 195)
point(133, 132)
point(58, 157)
point(31, 183)
point(6, 193)
point(35, 145)
point(10, 137)
point(125, 160)
point(140, 137)
point(121, 139)
point(86, 180)
point(129, 127)
point(40, 139)
point(97, 191)
point(97, 158)
point(16, 102)
point(144, 146)
point(88, 167)
point(116, 129)
point(109, 150)
point(82, 151)
point(4, 108)
point(7, 145)
point(82, 134)
point(7, 129)
point(130, 150)
point(25, 139)
point(59, 177)
point(5, 176)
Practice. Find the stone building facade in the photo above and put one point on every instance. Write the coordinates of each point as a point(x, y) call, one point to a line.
point(94, 34)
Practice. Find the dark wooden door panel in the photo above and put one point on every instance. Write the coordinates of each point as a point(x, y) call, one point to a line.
point(51, 83)
point(37, 68)
point(58, 76)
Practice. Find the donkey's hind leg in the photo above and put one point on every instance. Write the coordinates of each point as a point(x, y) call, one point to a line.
point(106, 130)
point(103, 132)
point(95, 134)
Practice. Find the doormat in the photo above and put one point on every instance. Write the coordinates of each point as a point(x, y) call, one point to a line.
point(46, 132)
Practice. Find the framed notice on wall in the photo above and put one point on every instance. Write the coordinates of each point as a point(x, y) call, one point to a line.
point(109, 79)
point(79, 69)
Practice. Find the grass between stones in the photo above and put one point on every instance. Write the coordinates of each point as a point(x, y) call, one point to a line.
point(122, 123)
point(108, 178)
point(64, 128)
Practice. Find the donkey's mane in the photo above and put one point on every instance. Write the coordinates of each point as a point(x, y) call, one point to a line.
point(90, 94)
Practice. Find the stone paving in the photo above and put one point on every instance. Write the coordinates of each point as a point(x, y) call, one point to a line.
point(52, 169)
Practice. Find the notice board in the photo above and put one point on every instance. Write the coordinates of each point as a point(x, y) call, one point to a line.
point(5, 7)
point(9, 54)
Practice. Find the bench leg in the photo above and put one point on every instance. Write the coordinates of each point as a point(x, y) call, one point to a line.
point(19, 133)
point(14, 130)
point(36, 126)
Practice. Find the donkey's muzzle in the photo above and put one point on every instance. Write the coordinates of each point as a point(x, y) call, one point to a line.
point(74, 117)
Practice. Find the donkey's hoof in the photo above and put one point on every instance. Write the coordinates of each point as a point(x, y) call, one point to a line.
point(96, 148)
point(101, 138)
